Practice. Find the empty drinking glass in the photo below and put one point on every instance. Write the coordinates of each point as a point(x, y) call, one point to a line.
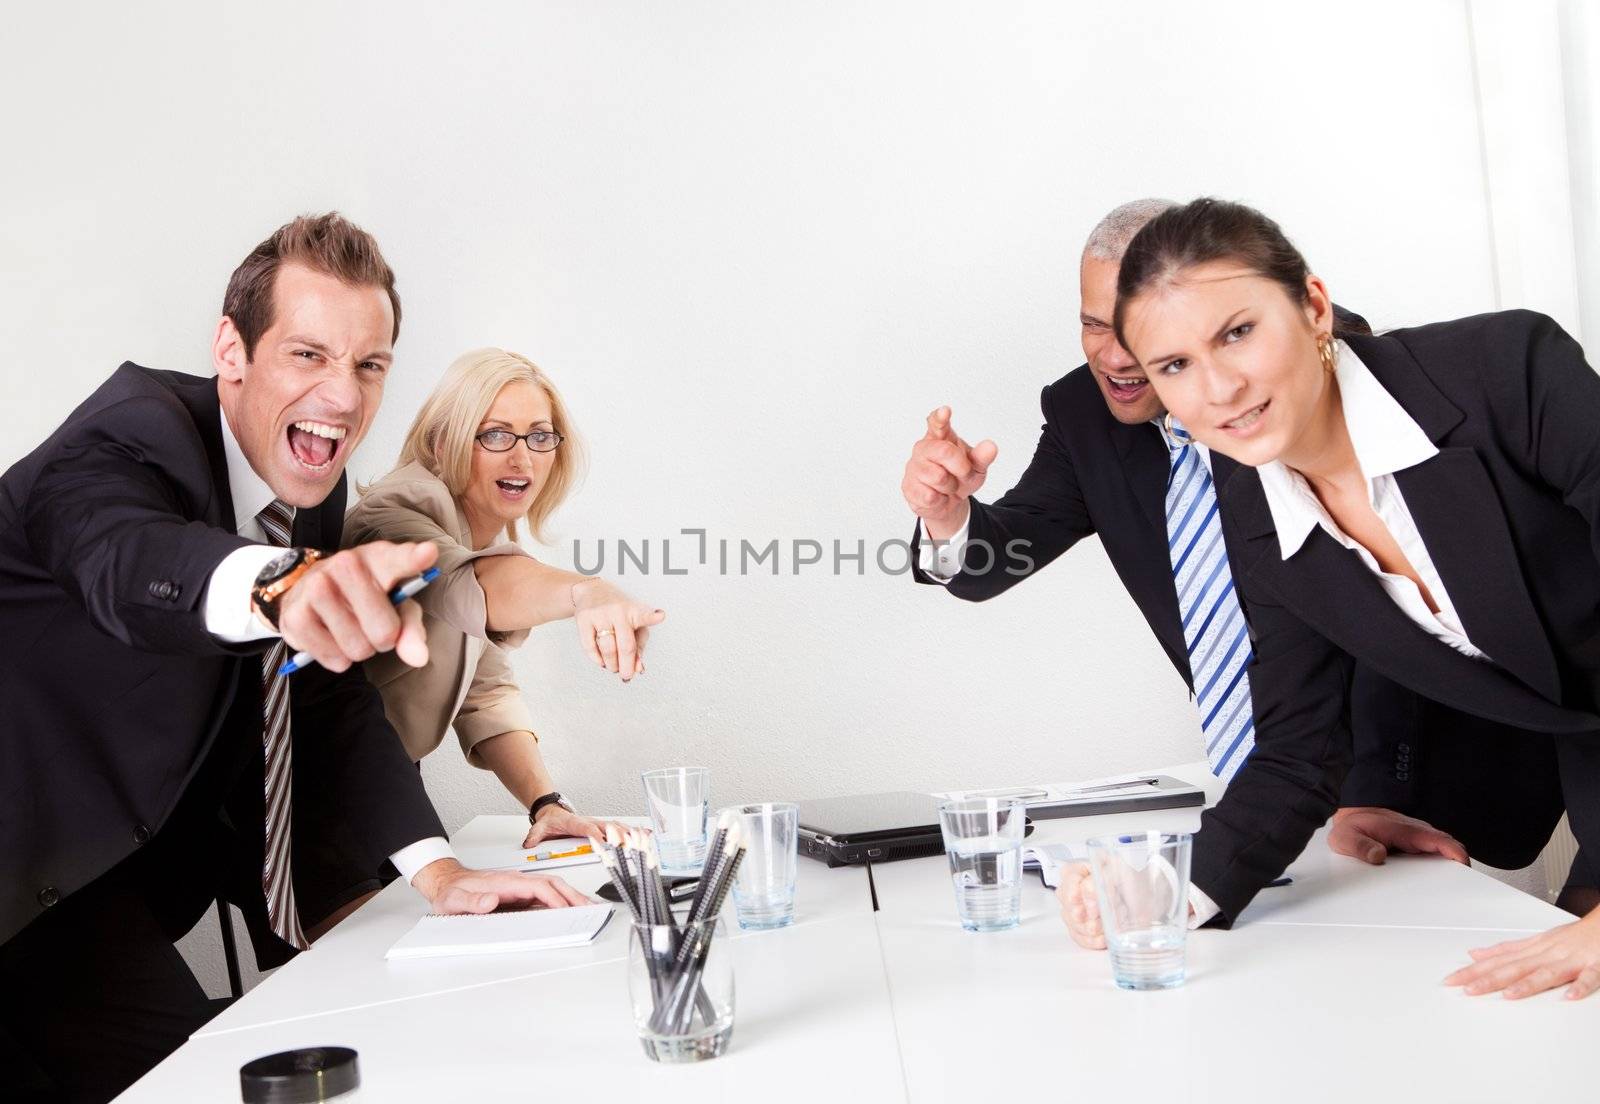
point(1142, 882)
point(763, 890)
point(679, 801)
point(983, 840)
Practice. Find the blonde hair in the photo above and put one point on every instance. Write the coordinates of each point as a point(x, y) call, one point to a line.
point(444, 433)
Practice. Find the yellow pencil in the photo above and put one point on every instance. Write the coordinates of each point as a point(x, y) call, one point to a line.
point(541, 856)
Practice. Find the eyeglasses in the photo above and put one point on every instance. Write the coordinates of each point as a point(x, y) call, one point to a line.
point(503, 440)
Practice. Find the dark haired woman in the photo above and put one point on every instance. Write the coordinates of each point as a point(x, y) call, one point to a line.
point(1426, 502)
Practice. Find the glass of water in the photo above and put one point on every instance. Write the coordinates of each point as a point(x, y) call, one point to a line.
point(679, 801)
point(1142, 882)
point(763, 889)
point(983, 840)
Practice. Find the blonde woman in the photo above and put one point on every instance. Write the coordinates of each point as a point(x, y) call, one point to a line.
point(492, 447)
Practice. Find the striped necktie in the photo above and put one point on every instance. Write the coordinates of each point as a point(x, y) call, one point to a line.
point(1213, 624)
point(277, 520)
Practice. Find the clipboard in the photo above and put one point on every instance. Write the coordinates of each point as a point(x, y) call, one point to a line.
point(1128, 793)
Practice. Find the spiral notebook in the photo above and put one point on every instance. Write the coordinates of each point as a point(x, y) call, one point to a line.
point(502, 932)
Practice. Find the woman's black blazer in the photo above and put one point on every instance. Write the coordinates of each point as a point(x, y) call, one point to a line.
point(1510, 512)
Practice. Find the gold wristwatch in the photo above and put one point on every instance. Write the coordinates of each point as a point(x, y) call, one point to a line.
point(275, 580)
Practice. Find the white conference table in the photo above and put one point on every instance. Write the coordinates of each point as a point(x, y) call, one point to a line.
point(1327, 989)
point(1408, 891)
point(809, 998)
point(346, 970)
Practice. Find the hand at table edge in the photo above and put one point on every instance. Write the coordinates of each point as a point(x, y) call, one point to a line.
point(1568, 954)
point(1371, 833)
point(554, 822)
point(1080, 910)
point(452, 888)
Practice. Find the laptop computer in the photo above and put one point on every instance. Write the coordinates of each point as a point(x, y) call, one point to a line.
point(870, 828)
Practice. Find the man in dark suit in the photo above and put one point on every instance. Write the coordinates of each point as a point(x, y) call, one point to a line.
point(1102, 467)
point(159, 556)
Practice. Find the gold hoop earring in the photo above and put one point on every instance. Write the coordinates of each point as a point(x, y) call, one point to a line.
point(1329, 353)
point(1166, 424)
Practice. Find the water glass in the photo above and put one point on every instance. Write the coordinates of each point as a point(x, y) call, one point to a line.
point(1142, 882)
point(983, 840)
point(680, 983)
point(763, 891)
point(679, 801)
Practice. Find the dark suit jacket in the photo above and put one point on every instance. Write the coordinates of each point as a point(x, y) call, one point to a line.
point(1510, 512)
point(1091, 474)
point(127, 726)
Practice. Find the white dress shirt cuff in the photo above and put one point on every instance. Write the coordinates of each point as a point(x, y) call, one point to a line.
point(1201, 907)
point(228, 615)
point(942, 560)
point(410, 860)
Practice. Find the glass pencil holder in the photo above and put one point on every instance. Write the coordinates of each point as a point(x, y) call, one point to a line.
point(680, 983)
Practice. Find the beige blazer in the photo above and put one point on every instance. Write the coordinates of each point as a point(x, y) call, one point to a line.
point(468, 681)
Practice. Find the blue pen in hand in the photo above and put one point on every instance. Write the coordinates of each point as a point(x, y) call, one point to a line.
point(410, 588)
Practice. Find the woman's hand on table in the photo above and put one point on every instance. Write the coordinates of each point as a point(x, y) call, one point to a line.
point(1080, 910)
point(554, 822)
point(1567, 955)
point(612, 627)
point(452, 888)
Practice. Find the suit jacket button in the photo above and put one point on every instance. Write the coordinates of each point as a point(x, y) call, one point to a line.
point(48, 896)
point(141, 835)
point(164, 589)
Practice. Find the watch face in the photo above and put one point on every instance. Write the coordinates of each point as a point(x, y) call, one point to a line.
point(279, 567)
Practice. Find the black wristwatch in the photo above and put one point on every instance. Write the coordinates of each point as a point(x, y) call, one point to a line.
point(551, 798)
point(277, 577)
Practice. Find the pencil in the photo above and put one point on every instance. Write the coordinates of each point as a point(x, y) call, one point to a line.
point(543, 856)
point(719, 839)
point(689, 964)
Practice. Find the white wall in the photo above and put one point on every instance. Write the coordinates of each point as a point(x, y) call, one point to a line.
point(755, 244)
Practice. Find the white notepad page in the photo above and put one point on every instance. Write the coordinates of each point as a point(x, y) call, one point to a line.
point(502, 932)
point(1049, 858)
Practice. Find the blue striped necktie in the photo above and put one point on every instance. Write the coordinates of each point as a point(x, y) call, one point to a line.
point(1213, 624)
